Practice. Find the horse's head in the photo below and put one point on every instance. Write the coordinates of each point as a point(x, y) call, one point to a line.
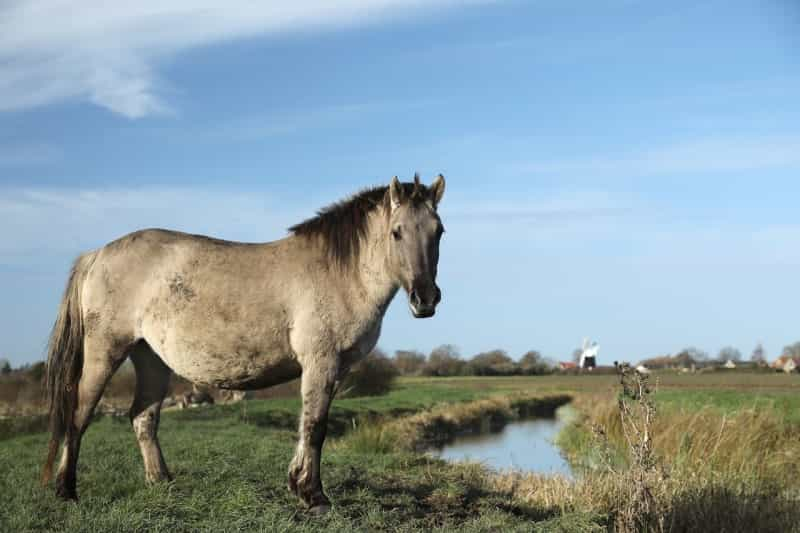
point(414, 233)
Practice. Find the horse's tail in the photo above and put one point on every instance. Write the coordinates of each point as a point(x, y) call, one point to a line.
point(65, 361)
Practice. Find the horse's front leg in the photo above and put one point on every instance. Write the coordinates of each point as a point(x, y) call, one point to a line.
point(318, 382)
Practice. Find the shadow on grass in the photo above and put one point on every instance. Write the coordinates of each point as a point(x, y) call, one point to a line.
point(434, 494)
point(719, 508)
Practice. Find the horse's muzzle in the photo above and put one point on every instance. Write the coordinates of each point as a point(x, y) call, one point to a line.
point(423, 302)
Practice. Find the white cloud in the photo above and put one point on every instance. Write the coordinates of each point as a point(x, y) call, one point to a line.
point(108, 52)
point(702, 156)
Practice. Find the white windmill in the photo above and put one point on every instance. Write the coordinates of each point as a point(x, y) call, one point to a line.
point(589, 354)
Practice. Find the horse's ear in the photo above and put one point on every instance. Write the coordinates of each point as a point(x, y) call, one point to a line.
point(416, 185)
point(395, 193)
point(437, 190)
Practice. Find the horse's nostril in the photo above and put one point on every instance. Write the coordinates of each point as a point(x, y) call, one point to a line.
point(438, 297)
point(414, 298)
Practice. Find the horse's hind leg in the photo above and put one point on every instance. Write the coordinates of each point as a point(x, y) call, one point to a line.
point(101, 358)
point(152, 384)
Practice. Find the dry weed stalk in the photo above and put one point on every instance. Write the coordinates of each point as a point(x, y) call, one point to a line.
point(637, 411)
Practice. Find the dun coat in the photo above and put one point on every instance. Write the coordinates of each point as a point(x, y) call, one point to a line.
point(239, 316)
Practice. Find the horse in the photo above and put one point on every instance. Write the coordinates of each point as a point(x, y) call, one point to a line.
point(239, 316)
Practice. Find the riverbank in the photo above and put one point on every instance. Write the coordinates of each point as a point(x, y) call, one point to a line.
point(437, 426)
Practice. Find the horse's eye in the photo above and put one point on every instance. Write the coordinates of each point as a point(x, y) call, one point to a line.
point(396, 234)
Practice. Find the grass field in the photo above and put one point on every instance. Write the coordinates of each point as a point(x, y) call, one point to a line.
point(230, 461)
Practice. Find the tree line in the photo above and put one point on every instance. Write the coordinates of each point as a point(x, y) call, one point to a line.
point(692, 356)
point(446, 360)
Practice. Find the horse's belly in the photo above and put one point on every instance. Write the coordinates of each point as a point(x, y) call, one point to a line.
point(235, 372)
point(228, 361)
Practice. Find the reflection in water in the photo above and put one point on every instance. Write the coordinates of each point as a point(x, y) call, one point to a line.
point(526, 445)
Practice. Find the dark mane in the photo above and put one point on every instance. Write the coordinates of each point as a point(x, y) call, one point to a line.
point(342, 225)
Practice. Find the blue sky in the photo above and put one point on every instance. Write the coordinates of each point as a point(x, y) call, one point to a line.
point(623, 170)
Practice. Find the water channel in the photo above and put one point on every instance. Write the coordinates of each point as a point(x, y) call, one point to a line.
point(526, 445)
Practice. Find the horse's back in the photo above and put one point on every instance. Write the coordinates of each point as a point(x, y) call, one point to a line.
point(212, 309)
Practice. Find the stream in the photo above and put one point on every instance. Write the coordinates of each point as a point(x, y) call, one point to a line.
point(525, 445)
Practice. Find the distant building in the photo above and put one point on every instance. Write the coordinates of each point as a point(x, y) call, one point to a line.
point(729, 364)
point(569, 365)
point(787, 363)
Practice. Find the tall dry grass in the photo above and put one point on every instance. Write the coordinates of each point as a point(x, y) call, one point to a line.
point(717, 503)
point(676, 470)
point(750, 442)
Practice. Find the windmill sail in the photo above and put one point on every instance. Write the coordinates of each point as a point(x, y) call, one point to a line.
point(589, 354)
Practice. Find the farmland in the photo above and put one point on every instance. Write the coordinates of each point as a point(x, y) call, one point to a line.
point(229, 462)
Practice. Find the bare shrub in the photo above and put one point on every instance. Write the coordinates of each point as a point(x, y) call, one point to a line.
point(444, 361)
point(409, 363)
point(371, 376)
point(532, 363)
point(492, 363)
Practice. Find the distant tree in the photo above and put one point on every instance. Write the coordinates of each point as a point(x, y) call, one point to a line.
point(729, 353)
point(695, 354)
point(792, 350)
point(492, 363)
point(530, 358)
point(36, 371)
point(683, 359)
point(444, 361)
point(532, 363)
point(679, 360)
point(5, 367)
point(409, 362)
point(759, 355)
point(686, 358)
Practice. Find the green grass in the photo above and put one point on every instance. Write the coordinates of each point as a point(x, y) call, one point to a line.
point(785, 403)
point(232, 477)
point(230, 462)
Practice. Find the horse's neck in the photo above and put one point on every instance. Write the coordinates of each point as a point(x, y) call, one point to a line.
point(377, 285)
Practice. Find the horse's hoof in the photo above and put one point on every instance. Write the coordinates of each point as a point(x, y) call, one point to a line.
point(320, 510)
point(66, 494)
point(155, 479)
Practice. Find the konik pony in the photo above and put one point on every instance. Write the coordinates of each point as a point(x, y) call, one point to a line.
point(239, 316)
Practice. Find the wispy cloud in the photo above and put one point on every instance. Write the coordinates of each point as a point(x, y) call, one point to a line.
point(109, 53)
point(296, 121)
point(709, 155)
